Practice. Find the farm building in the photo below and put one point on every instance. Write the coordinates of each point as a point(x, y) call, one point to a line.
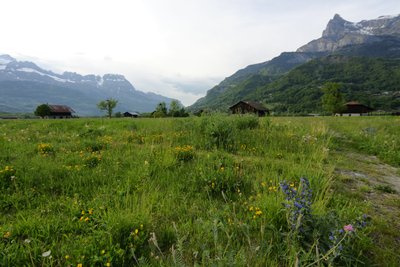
point(60, 111)
point(243, 107)
point(131, 114)
point(354, 108)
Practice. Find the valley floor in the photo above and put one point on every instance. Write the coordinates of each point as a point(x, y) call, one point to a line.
point(208, 191)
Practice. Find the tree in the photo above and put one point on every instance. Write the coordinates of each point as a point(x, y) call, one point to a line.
point(332, 100)
point(107, 105)
point(43, 110)
point(161, 110)
point(174, 108)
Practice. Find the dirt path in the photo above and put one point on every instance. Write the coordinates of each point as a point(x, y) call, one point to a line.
point(378, 184)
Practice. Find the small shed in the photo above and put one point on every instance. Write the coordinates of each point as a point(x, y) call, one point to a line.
point(354, 108)
point(243, 107)
point(60, 111)
point(131, 114)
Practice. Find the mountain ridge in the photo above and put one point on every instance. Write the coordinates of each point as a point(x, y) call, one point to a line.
point(20, 83)
point(368, 38)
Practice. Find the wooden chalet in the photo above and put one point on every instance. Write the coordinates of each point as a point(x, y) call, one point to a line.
point(131, 114)
point(60, 111)
point(244, 107)
point(354, 108)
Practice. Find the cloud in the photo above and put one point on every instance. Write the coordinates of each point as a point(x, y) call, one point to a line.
point(180, 48)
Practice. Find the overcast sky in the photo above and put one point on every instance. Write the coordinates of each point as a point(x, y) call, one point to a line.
point(177, 48)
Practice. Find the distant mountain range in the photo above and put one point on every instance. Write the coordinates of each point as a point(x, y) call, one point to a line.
point(24, 85)
point(363, 57)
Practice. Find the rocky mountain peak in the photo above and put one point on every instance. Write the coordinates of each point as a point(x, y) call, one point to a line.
point(5, 59)
point(335, 27)
point(340, 33)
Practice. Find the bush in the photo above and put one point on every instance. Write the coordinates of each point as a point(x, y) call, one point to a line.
point(219, 132)
point(247, 122)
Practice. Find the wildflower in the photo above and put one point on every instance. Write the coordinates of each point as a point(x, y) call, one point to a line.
point(108, 264)
point(79, 265)
point(136, 231)
point(87, 219)
point(103, 252)
point(46, 254)
point(348, 228)
point(258, 212)
point(66, 257)
point(298, 203)
point(7, 235)
point(91, 211)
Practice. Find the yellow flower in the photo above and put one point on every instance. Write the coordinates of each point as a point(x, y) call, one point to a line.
point(251, 208)
point(103, 252)
point(90, 211)
point(258, 212)
point(108, 264)
point(79, 265)
point(7, 235)
point(83, 212)
point(136, 231)
point(66, 257)
point(86, 219)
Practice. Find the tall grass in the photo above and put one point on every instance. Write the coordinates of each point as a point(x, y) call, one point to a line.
point(120, 192)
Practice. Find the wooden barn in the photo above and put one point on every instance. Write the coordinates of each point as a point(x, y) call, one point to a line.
point(60, 111)
point(243, 107)
point(131, 114)
point(354, 108)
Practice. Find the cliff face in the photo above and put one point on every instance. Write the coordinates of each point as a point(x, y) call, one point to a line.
point(340, 33)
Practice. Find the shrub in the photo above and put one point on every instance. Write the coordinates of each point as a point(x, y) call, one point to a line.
point(247, 122)
point(219, 132)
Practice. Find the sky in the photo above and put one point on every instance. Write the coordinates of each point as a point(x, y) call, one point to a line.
point(176, 48)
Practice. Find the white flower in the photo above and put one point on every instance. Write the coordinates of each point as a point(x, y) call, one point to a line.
point(46, 254)
point(27, 241)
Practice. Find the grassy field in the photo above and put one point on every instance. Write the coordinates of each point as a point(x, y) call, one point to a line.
point(207, 191)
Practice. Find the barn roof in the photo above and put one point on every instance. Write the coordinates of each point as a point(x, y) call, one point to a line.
point(61, 109)
point(254, 104)
point(353, 103)
point(133, 113)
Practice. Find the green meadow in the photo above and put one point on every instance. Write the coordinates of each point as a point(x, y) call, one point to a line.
point(200, 191)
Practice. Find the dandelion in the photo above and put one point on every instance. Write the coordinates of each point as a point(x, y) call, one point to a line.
point(7, 235)
point(79, 265)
